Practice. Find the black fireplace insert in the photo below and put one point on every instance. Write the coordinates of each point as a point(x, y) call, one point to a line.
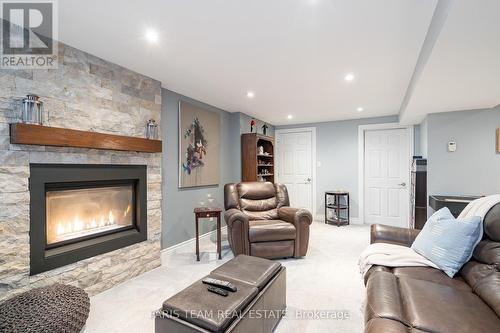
point(78, 211)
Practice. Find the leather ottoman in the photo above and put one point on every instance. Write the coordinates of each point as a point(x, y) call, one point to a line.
point(256, 306)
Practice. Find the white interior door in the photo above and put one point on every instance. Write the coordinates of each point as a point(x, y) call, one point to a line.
point(386, 172)
point(294, 166)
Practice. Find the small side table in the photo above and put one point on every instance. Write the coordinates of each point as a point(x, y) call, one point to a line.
point(339, 205)
point(206, 212)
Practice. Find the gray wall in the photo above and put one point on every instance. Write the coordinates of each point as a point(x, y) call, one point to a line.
point(245, 125)
point(475, 167)
point(416, 140)
point(337, 150)
point(178, 204)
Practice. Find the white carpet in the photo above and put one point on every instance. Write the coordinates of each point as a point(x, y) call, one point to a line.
point(326, 283)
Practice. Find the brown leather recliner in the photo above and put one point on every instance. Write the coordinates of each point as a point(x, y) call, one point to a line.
point(260, 223)
point(423, 299)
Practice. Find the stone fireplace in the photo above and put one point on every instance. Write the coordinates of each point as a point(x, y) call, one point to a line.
point(89, 94)
point(80, 211)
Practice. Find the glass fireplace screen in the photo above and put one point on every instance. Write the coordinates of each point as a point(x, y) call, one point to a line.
point(77, 213)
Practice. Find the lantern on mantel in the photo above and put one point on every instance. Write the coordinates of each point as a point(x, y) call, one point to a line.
point(152, 129)
point(32, 110)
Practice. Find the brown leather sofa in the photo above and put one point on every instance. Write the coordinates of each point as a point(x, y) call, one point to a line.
point(260, 223)
point(421, 299)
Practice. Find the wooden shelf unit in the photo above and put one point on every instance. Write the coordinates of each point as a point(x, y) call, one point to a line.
point(251, 169)
point(29, 134)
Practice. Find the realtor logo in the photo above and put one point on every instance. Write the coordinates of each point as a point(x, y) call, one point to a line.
point(29, 34)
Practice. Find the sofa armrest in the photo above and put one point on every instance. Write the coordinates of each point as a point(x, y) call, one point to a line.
point(381, 233)
point(301, 219)
point(237, 229)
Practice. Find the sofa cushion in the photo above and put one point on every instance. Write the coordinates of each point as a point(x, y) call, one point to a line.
point(421, 273)
point(427, 306)
point(487, 252)
point(252, 270)
point(436, 308)
point(270, 230)
point(432, 275)
point(382, 325)
point(485, 282)
point(492, 223)
point(374, 269)
point(448, 242)
point(383, 299)
point(213, 312)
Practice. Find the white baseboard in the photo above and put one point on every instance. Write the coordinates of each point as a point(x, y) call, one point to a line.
point(354, 220)
point(190, 242)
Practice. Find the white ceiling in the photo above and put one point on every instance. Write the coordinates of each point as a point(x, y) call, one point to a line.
point(463, 71)
point(293, 54)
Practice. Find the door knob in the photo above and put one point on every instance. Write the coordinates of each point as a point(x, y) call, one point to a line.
point(308, 180)
point(402, 184)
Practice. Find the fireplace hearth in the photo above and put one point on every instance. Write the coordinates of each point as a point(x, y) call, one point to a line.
point(80, 211)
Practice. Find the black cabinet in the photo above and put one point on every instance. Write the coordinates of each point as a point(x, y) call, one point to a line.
point(454, 203)
point(337, 208)
point(419, 192)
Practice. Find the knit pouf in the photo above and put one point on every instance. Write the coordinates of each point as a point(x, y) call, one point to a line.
point(56, 308)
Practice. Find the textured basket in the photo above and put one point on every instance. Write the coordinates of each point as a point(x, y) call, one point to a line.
point(54, 309)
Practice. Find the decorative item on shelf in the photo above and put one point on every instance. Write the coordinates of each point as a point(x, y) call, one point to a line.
point(152, 129)
point(32, 110)
point(252, 125)
point(264, 129)
point(257, 154)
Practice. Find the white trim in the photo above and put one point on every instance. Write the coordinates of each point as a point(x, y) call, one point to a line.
point(361, 160)
point(313, 166)
point(191, 242)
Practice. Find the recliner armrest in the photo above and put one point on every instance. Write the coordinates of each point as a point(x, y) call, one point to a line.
point(301, 219)
point(233, 215)
point(237, 229)
point(294, 215)
point(380, 233)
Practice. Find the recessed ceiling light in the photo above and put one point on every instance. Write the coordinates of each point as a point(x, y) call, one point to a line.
point(289, 116)
point(250, 94)
point(360, 109)
point(349, 77)
point(152, 35)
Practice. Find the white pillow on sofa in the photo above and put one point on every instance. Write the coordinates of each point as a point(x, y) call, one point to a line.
point(448, 242)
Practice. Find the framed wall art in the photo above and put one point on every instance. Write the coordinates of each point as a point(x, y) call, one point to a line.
point(199, 146)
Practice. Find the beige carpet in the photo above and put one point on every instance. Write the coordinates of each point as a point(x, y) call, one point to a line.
point(325, 284)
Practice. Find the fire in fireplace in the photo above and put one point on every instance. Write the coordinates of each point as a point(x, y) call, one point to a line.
point(73, 214)
point(79, 211)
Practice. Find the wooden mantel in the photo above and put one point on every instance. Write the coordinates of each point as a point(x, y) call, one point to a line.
point(28, 134)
